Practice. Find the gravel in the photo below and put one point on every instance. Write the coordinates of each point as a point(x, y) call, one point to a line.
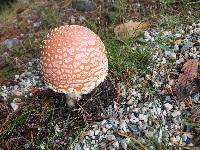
point(142, 115)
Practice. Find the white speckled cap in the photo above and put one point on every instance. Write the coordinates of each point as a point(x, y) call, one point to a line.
point(73, 60)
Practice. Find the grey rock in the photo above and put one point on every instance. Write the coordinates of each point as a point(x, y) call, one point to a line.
point(176, 48)
point(196, 98)
point(176, 113)
point(187, 45)
point(134, 129)
point(27, 145)
point(179, 61)
point(36, 24)
point(172, 56)
point(81, 19)
point(168, 98)
point(77, 147)
point(124, 145)
point(11, 43)
point(168, 106)
point(171, 82)
point(116, 144)
point(84, 5)
point(72, 20)
point(178, 35)
point(111, 137)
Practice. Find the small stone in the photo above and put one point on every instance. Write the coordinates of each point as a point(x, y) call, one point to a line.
point(81, 19)
point(108, 126)
point(36, 24)
point(134, 128)
point(72, 20)
point(147, 35)
point(168, 106)
point(91, 133)
point(77, 147)
point(111, 137)
point(176, 113)
point(163, 60)
point(172, 56)
point(14, 106)
point(130, 102)
point(176, 48)
point(134, 120)
point(173, 140)
point(164, 113)
point(167, 53)
point(184, 137)
point(178, 35)
point(142, 117)
point(57, 129)
point(167, 33)
point(27, 145)
point(96, 132)
point(104, 130)
point(84, 5)
point(11, 43)
point(93, 142)
point(190, 145)
point(196, 98)
point(124, 145)
point(171, 82)
point(103, 122)
point(18, 93)
point(17, 77)
point(187, 45)
point(179, 61)
point(123, 125)
point(116, 144)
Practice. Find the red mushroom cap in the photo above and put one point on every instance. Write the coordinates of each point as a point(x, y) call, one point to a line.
point(73, 60)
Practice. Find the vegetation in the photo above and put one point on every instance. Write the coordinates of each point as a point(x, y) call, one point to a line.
point(131, 56)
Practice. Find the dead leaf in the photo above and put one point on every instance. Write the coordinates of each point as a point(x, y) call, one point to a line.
point(35, 90)
point(184, 85)
point(130, 29)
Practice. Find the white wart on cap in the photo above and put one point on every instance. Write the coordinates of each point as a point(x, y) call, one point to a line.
point(73, 60)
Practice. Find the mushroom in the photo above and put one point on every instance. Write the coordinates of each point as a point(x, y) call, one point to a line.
point(73, 61)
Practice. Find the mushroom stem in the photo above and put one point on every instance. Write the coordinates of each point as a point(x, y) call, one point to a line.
point(72, 98)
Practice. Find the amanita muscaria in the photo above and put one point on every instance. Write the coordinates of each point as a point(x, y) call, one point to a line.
point(73, 61)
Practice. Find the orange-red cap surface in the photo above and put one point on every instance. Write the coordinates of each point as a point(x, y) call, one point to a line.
point(73, 60)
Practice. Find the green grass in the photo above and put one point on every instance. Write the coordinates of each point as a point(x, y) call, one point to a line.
point(51, 18)
point(20, 120)
point(118, 11)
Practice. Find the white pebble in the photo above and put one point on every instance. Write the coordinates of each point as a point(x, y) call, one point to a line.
point(104, 130)
point(168, 106)
point(176, 113)
point(116, 144)
point(97, 132)
point(14, 106)
point(172, 56)
point(171, 82)
point(179, 61)
point(124, 145)
point(142, 117)
point(111, 137)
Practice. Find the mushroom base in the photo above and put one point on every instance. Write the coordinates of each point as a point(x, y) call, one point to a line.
point(72, 98)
